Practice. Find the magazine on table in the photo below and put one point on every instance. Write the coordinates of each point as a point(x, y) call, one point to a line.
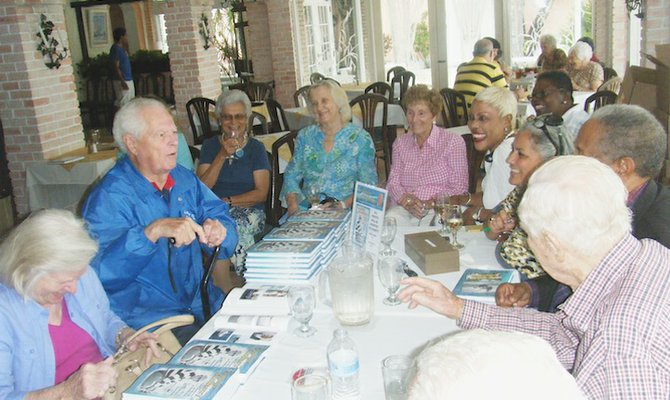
point(481, 284)
point(322, 215)
point(311, 224)
point(287, 249)
point(283, 233)
point(213, 353)
point(264, 299)
point(258, 322)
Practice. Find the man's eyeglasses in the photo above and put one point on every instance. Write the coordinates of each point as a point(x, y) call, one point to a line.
point(553, 121)
point(544, 94)
point(236, 117)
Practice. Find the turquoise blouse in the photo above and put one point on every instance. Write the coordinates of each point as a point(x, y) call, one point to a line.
point(351, 159)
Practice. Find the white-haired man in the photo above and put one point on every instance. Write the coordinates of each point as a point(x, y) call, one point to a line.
point(612, 333)
point(481, 72)
point(153, 218)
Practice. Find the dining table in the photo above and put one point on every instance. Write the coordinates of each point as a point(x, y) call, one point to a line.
point(392, 329)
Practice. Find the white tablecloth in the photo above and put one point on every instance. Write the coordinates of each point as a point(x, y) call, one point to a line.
point(393, 330)
point(300, 117)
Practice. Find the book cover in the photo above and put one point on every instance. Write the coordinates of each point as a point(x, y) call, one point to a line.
point(287, 249)
point(264, 299)
point(311, 224)
point(323, 215)
point(213, 353)
point(263, 337)
point(251, 322)
point(283, 233)
point(165, 381)
point(481, 284)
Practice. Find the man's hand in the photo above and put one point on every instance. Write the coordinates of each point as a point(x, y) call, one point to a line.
point(183, 230)
point(215, 232)
point(431, 294)
point(513, 295)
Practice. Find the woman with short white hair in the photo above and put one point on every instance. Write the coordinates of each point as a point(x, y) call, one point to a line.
point(57, 331)
point(586, 75)
point(551, 58)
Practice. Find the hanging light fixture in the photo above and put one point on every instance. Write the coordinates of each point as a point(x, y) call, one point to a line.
point(632, 5)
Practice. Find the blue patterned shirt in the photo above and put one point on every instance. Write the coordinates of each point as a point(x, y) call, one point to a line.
point(351, 159)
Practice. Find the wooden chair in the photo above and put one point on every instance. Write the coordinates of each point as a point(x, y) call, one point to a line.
point(403, 79)
point(278, 121)
point(315, 77)
point(475, 159)
point(455, 111)
point(274, 209)
point(382, 88)
point(301, 96)
point(391, 73)
point(599, 99)
point(368, 104)
point(260, 128)
point(200, 107)
point(259, 91)
point(609, 73)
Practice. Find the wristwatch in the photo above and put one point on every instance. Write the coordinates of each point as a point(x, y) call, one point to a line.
point(477, 214)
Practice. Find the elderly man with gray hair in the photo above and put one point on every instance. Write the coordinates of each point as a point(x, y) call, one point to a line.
point(612, 333)
point(153, 218)
point(481, 72)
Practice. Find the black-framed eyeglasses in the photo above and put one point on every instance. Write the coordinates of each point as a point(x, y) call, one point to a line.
point(543, 94)
point(553, 121)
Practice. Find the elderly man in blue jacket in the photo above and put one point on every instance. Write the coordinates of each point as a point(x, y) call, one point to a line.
point(152, 219)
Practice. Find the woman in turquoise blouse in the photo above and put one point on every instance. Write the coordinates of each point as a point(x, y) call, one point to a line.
point(331, 155)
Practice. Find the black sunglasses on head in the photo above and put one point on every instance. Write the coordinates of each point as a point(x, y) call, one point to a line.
point(554, 121)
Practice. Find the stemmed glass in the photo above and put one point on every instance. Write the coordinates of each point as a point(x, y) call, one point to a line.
point(441, 203)
point(301, 301)
point(390, 273)
point(238, 137)
point(388, 234)
point(455, 221)
point(423, 211)
point(313, 193)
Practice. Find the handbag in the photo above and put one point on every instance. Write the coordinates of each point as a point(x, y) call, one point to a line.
point(129, 364)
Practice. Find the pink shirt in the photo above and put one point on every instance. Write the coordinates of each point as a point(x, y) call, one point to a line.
point(73, 347)
point(440, 166)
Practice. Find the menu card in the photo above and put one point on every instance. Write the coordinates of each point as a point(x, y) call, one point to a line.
point(368, 217)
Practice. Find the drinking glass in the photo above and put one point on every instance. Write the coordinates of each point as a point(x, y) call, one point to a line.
point(397, 371)
point(310, 387)
point(301, 301)
point(423, 211)
point(441, 203)
point(313, 193)
point(455, 221)
point(388, 234)
point(390, 273)
point(238, 137)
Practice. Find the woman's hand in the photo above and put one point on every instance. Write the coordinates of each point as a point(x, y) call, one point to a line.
point(91, 381)
point(431, 294)
point(148, 340)
point(413, 205)
point(292, 204)
point(513, 295)
point(499, 224)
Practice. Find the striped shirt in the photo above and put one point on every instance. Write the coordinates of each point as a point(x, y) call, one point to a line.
point(477, 75)
point(440, 166)
point(613, 333)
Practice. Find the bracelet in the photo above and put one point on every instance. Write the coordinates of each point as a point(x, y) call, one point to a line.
point(467, 203)
point(119, 335)
point(229, 201)
point(477, 214)
point(486, 229)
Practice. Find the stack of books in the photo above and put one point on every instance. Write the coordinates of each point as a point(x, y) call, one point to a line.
point(296, 251)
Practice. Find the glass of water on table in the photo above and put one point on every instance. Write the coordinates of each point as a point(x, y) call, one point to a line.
point(397, 370)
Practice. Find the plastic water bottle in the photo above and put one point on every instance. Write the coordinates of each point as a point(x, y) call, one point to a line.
point(343, 365)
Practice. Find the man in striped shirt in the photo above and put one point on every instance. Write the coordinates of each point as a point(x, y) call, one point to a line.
point(612, 333)
point(481, 72)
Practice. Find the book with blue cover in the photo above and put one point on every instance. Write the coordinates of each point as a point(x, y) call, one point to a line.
point(206, 353)
point(286, 249)
point(481, 284)
point(166, 381)
point(322, 215)
point(284, 233)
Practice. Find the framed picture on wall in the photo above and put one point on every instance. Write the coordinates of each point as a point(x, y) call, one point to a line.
point(98, 27)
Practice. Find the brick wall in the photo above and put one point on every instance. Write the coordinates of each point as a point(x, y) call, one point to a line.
point(195, 70)
point(655, 27)
point(259, 47)
point(38, 105)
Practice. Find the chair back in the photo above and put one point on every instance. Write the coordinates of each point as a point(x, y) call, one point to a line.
point(475, 159)
point(259, 91)
point(455, 110)
point(599, 99)
point(200, 107)
point(275, 210)
point(278, 121)
point(315, 77)
point(382, 88)
point(260, 128)
point(609, 73)
point(405, 79)
point(391, 73)
point(301, 96)
point(368, 103)
point(613, 85)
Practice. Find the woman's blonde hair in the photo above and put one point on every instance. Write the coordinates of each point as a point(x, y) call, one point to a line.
point(339, 97)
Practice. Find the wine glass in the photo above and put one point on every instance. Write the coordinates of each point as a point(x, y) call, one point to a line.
point(301, 301)
point(391, 271)
point(423, 211)
point(238, 138)
point(313, 193)
point(441, 203)
point(455, 221)
point(388, 234)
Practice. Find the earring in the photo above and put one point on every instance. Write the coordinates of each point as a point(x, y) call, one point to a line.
point(565, 102)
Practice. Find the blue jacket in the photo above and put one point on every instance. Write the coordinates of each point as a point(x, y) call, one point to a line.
point(132, 269)
point(27, 360)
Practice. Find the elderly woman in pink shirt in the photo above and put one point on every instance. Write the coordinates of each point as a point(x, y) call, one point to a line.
point(427, 161)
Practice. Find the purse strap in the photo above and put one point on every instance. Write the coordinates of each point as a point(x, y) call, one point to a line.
point(163, 324)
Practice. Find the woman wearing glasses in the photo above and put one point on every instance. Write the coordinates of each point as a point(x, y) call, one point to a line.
point(236, 168)
point(553, 94)
point(535, 143)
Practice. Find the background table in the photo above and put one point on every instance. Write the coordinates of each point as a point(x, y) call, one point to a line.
point(393, 330)
point(300, 117)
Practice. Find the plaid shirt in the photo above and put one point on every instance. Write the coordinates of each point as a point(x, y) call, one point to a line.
point(614, 332)
point(440, 166)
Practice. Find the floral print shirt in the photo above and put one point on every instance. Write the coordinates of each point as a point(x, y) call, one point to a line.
point(351, 159)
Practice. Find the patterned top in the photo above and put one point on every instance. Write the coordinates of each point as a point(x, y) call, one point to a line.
point(351, 159)
point(583, 79)
point(440, 166)
point(613, 332)
point(477, 75)
point(558, 60)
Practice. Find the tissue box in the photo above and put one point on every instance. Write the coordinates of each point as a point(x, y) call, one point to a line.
point(432, 253)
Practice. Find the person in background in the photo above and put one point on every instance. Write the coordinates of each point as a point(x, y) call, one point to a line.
point(612, 332)
point(552, 93)
point(589, 41)
point(427, 161)
point(124, 87)
point(498, 58)
point(237, 170)
point(552, 57)
point(585, 74)
point(330, 155)
point(632, 142)
point(479, 364)
point(479, 73)
point(57, 332)
point(153, 219)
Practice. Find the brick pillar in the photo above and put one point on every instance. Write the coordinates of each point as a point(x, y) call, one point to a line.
point(38, 105)
point(195, 70)
point(655, 27)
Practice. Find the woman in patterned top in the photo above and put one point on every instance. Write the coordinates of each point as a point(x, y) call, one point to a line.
point(535, 143)
point(586, 75)
point(330, 155)
point(552, 58)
